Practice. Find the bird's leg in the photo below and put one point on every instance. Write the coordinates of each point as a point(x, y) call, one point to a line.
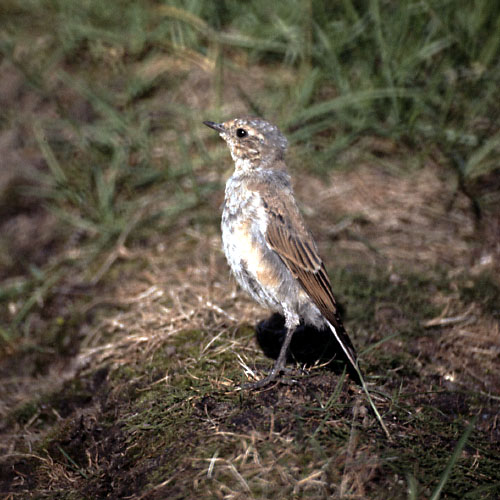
point(279, 364)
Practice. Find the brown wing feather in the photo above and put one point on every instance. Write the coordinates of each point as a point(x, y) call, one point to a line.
point(288, 237)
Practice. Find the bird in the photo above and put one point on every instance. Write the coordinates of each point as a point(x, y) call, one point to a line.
point(271, 252)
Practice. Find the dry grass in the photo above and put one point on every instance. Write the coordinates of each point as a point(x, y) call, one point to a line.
point(385, 217)
point(182, 287)
point(466, 349)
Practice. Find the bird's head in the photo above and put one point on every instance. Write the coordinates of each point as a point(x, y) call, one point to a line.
point(253, 142)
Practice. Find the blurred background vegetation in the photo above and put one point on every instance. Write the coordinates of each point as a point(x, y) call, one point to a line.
point(105, 167)
point(101, 106)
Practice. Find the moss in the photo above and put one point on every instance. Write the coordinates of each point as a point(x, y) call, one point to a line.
point(483, 290)
point(362, 292)
point(23, 413)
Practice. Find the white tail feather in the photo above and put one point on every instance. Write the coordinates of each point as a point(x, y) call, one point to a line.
point(355, 365)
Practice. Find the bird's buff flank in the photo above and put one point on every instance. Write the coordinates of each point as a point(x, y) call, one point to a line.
point(270, 251)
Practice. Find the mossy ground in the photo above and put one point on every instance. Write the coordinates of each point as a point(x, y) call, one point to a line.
point(123, 339)
point(160, 416)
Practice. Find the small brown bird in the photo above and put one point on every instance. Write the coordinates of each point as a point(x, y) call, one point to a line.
point(270, 251)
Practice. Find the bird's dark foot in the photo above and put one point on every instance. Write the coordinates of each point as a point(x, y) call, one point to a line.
point(260, 384)
point(279, 365)
point(274, 376)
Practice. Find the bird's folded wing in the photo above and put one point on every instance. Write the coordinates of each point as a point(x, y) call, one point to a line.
point(287, 236)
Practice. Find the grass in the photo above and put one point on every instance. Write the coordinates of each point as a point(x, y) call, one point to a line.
point(121, 337)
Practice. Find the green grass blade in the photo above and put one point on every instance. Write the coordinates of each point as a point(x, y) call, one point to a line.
point(353, 99)
point(48, 154)
point(453, 460)
point(476, 164)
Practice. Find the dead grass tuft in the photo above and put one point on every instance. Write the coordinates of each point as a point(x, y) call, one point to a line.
point(184, 287)
point(465, 350)
point(378, 216)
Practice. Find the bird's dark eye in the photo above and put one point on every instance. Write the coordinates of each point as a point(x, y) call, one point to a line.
point(241, 132)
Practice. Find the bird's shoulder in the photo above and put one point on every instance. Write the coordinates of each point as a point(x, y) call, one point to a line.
point(274, 188)
point(286, 230)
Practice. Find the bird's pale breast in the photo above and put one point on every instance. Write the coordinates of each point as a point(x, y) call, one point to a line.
point(256, 267)
point(243, 228)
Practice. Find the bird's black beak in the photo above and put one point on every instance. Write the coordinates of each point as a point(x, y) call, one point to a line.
point(216, 126)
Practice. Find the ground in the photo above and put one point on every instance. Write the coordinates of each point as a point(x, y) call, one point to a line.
point(146, 405)
point(124, 339)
